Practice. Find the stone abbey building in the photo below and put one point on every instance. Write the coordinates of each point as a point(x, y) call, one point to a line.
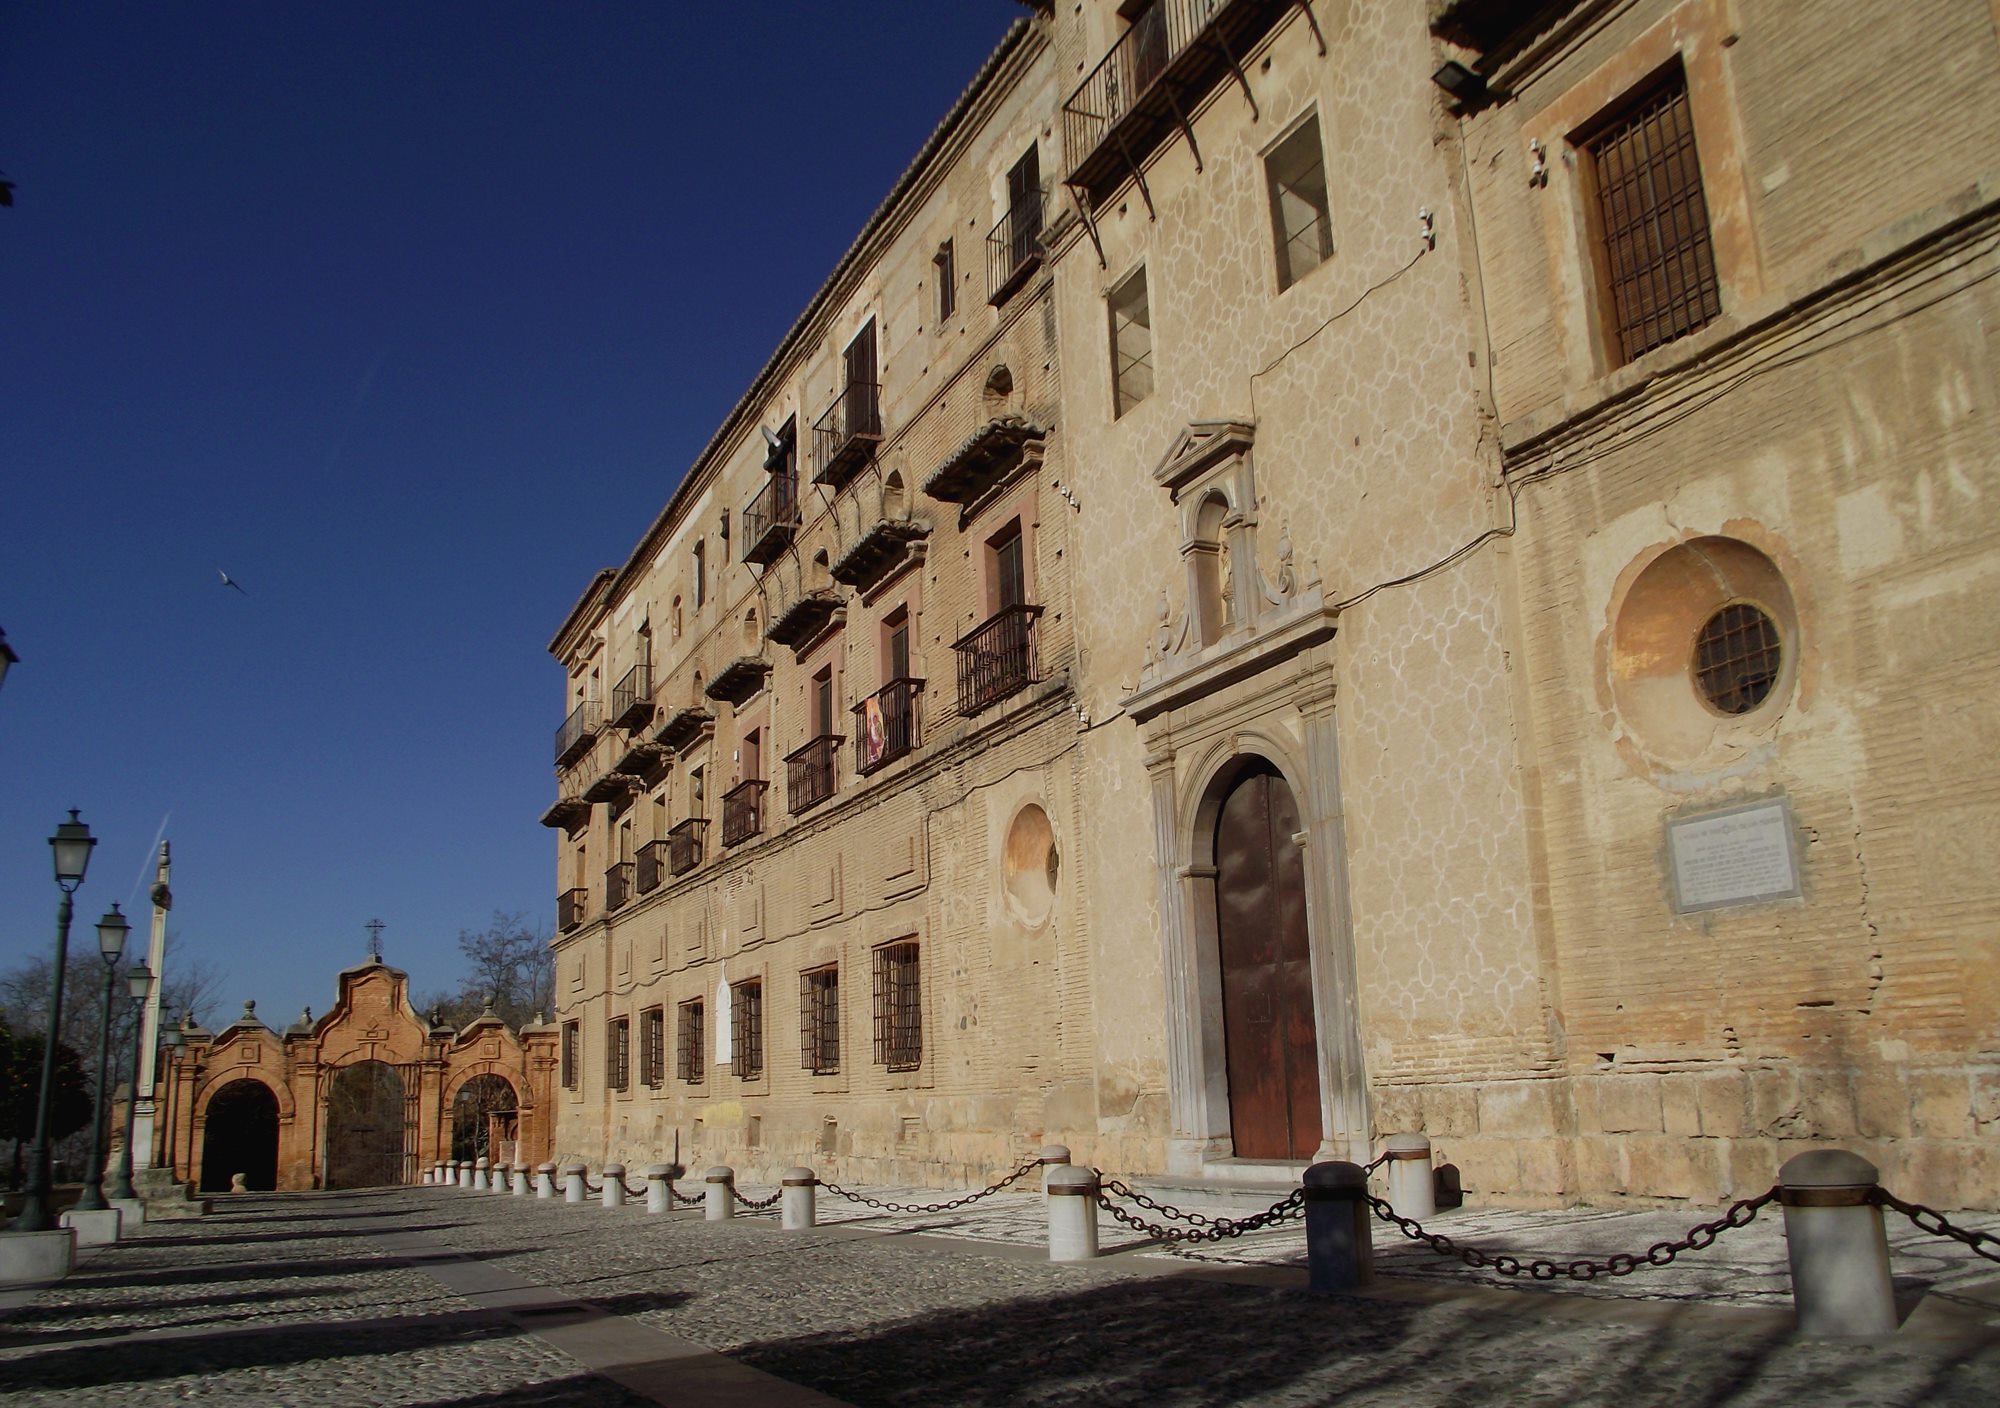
point(1327, 567)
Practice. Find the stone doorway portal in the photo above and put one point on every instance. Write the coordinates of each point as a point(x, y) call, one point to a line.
point(483, 1118)
point(241, 1136)
point(1270, 1037)
point(365, 1118)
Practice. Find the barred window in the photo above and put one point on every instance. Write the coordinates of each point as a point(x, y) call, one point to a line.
point(618, 1054)
point(652, 1046)
point(1652, 218)
point(899, 1022)
point(746, 1028)
point(569, 1053)
point(819, 1019)
point(693, 1063)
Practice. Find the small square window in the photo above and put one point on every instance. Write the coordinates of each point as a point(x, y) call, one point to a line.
point(1301, 219)
point(1131, 343)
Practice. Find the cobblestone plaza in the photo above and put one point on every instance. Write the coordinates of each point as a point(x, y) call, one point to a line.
point(436, 1296)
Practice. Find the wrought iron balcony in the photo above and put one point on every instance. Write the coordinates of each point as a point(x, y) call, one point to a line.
point(684, 845)
point(1150, 83)
point(771, 519)
point(577, 731)
point(811, 773)
point(886, 724)
point(570, 907)
point(632, 697)
point(743, 811)
point(997, 659)
point(617, 885)
point(650, 866)
point(847, 434)
point(1014, 246)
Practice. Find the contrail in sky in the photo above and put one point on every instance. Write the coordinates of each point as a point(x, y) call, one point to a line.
point(354, 406)
point(146, 863)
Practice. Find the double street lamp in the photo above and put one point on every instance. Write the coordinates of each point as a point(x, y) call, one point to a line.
point(71, 845)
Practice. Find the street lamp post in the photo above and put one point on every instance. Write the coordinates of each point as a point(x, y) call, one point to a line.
point(111, 932)
point(71, 845)
point(138, 982)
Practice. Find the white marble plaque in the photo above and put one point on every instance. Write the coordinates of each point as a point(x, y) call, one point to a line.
point(1741, 855)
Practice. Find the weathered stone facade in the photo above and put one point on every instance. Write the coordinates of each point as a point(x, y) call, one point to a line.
point(310, 1137)
point(1370, 561)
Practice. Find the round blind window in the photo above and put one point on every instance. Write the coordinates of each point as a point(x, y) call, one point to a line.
point(1736, 658)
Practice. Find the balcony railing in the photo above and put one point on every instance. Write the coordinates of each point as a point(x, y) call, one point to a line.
point(632, 697)
point(997, 659)
point(651, 866)
point(617, 885)
point(886, 724)
point(811, 773)
point(1014, 247)
point(771, 519)
point(577, 730)
point(1150, 83)
point(684, 845)
point(847, 434)
point(570, 906)
point(743, 811)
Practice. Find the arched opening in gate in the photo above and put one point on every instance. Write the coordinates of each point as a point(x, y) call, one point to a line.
point(365, 1122)
point(1270, 1036)
point(241, 1136)
point(483, 1119)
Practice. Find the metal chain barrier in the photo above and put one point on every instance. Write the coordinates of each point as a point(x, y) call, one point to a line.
point(757, 1204)
point(1200, 1227)
point(1016, 1176)
point(632, 1192)
point(686, 1200)
point(1938, 1225)
point(1702, 1234)
point(592, 1189)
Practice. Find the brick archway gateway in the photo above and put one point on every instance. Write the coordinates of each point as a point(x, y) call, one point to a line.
point(241, 1136)
point(339, 1120)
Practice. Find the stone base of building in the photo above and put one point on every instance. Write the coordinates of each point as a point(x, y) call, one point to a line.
point(28, 1258)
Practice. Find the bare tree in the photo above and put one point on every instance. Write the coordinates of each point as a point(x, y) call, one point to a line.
point(507, 963)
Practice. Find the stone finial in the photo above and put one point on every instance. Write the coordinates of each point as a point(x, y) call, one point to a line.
point(305, 1016)
point(491, 998)
point(249, 1009)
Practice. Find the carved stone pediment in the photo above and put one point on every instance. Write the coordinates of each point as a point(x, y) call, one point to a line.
point(1199, 449)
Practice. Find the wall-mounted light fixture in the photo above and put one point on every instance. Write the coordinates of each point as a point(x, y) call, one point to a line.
point(1465, 86)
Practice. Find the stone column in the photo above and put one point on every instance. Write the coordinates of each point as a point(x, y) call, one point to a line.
point(1336, 1010)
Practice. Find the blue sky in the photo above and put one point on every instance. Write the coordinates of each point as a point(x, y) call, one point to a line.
point(410, 317)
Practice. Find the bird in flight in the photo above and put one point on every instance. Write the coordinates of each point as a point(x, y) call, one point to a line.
point(229, 581)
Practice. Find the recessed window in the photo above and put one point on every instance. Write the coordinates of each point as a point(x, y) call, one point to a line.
point(819, 1020)
point(1657, 265)
point(746, 1002)
point(569, 1054)
point(944, 272)
point(899, 1022)
point(618, 1054)
point(1301, 219)
point(1736, 658)
point(700, 573)
point(1131, 343)
point(652, 1047)
point(691, 1048)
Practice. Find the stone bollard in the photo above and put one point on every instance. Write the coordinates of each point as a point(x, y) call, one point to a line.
point(614, 1185)
point(721, 1195)
point(427, 1178)
point(1340, 1248)
point(520, 1180)
point(1072, 1199)
point(658, 1197)
point(545, 1180)
point(497, 1179)
point(572, 1179)
point(1412, 1186)
point(798, 1200)
point(480, 1182)
point(1838, 1250)
point(1054, 1156)
point(465, 1173)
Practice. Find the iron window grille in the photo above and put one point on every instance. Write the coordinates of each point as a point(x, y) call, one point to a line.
point(692, 1063)
point(819, 1020)
point(618, 884)
point(899, 1023)
point(571, 905)
point(652, 1047)
point(651, 865)
point(1737, 657)
point(743, 811)
point(1658, 263)
point(886, 724)
point(684, 845)
point(997, 659)
point(569, 1054)
point(810, 773)
point(746, 1023)
point(618, 1054)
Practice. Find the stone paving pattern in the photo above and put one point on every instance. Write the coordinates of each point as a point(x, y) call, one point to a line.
point(288, 1301)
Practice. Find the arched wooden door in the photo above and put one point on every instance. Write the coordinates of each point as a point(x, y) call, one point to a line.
point(1270, 1038)
point(240, 1135)
point(365, 1114)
